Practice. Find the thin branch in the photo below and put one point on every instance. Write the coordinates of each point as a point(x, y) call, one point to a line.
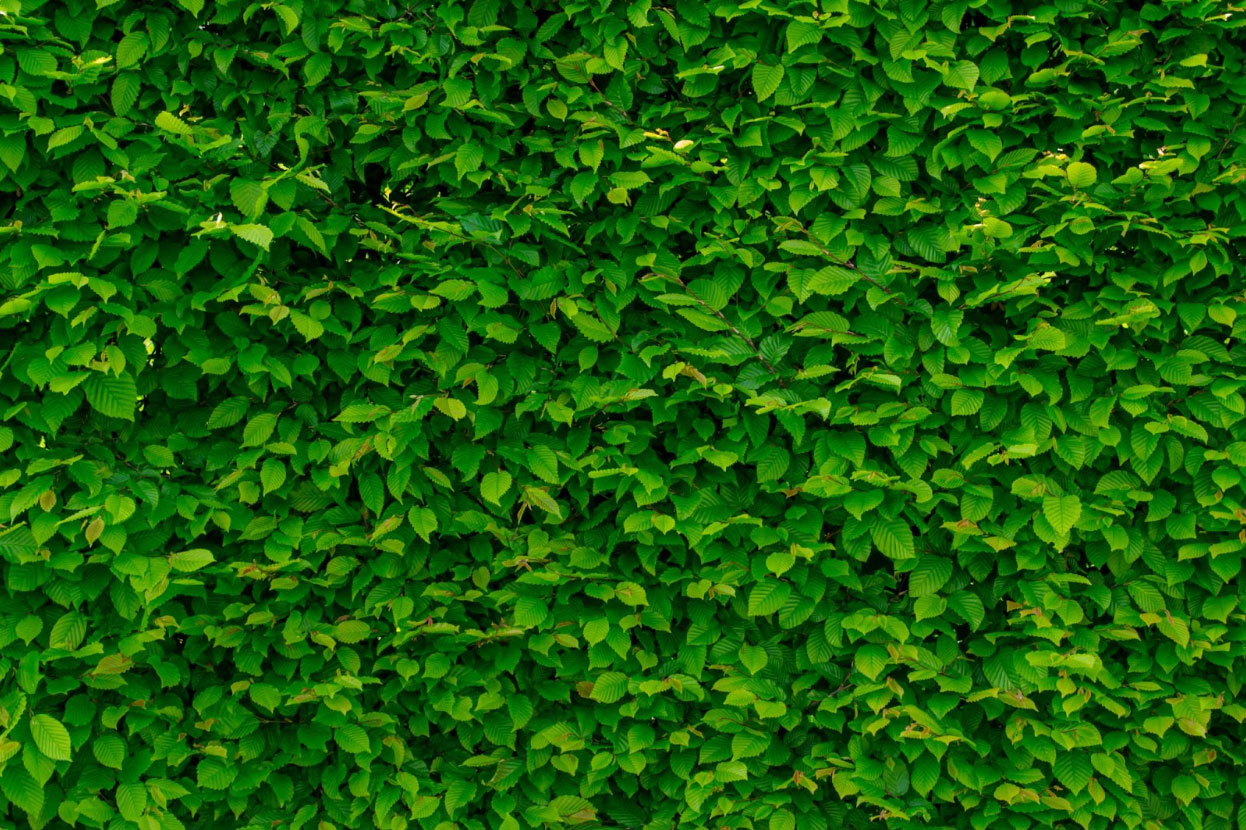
point(744, 337)
point(843, 262)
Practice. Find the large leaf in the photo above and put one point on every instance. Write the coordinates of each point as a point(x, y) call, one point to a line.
point(113, 395)
point(51, 737)
point(1062, 512)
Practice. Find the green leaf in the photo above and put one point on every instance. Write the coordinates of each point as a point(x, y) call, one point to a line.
point(767, 597)
point(423, 521)
point(871, 660)
point(113, 395)
point(1073, 770)
point(259, 429)
point(132, 799)
point(749, 744)
point(171, 123)
point(495, 485)
point(22, 790)
point(255, 234)
point(962, 75)
point(773, 463)
point(353, 739)
point(68, 631)
point(125, 91)
point(468, 158)
point(753, 658)
point(1062, 512)
point(1081, 174)
point(351, 631)
point(801, 33)
point(51, 737)
point(249, 197)
point(189, 561)
point(766, 79)
point(1185, 788)
point(109, 750)
point(609, 687)
point(894, 537)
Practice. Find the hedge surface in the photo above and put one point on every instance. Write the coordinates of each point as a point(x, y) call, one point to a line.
point(507, 414)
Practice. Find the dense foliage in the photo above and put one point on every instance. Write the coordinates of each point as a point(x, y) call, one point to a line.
point(506, 414)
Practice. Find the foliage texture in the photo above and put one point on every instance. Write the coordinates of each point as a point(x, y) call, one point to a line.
point(515, 414)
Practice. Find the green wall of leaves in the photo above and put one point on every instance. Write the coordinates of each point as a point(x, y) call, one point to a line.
point(492, 415)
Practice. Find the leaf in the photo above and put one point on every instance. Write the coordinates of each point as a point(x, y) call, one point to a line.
point(351, 631)
point(468, 158)
point(929, 576)
point(767, 597)
point(352, 738)
point(495, 485)
point(125, 91)
point(68, 631)
point(171, 123)
point(113, 395)
point(766, 79)
point(22, 790)
point(189, 561)
point(259, 429)
point(1073, 770)
point(131, 800)
point(451, 407)
point(832, 280)
point(228, 412)
point(131, 49)
point(255, 234)
point(109, 750)
point(1185, 788)
point(801, 33)
point(1062, 512)
point(592, 328)
point(872, 660)
point(962, 75)
point(51, 737)
point(773, 463)
point(893, 537)
point(753, 658)
point(249, 197)
point(749, 744)
point(423, 521)
point(609, 687)
point(1081, 174)
point(530, 612)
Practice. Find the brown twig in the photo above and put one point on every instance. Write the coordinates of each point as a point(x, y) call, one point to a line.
point(744, 337)
point(845, 263)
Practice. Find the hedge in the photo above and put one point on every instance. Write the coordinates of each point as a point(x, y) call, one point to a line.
point(515, 414)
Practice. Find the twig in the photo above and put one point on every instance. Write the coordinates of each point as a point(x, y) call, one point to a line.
point(845, 263)
point(744, 337)
point(613, 105)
